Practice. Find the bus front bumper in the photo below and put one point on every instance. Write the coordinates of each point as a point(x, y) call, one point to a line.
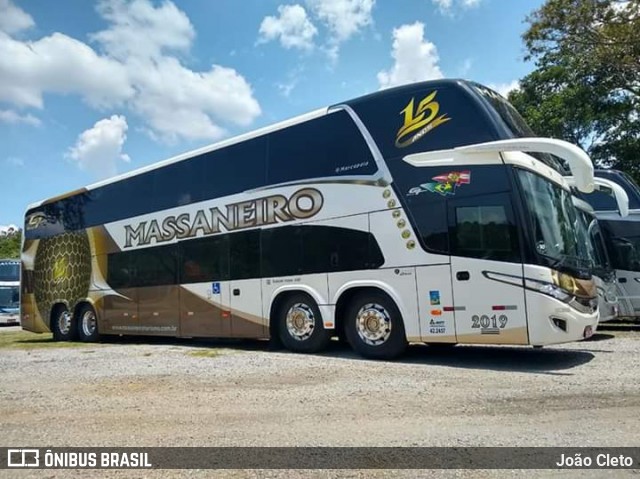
point(551, 321)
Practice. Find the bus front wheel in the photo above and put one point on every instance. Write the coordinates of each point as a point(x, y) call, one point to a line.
point(300, 325)
point(374, 326)
point(88, 324)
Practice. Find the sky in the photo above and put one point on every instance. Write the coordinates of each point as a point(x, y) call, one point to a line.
point(91, 89)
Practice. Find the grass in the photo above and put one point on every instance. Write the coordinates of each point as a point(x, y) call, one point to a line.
point(24, 340)
point(205, 353)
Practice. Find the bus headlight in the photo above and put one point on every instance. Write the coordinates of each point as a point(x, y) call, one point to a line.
point(549, 289)
point(565, 288)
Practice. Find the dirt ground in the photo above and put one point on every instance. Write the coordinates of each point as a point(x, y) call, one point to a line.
point(153, 392)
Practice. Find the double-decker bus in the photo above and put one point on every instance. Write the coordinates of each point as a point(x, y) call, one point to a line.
point(622, 237)
point(423, 213)
point(9, 291)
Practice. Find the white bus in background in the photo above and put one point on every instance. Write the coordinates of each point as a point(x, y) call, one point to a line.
point(423, 213)
point(9, 291)
point(603, 271)
point(622, 237)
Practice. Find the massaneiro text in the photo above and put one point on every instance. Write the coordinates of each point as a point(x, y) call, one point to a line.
point(303, 204)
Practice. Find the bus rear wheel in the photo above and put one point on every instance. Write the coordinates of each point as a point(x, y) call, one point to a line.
point(300, 325)
point(88, 324)
point(62, 324)
point(374, 326)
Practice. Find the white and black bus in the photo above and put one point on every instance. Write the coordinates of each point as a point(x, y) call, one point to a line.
point(621, 233)
point(423, 213)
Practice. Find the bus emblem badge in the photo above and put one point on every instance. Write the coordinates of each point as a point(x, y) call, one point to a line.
point(417, 122)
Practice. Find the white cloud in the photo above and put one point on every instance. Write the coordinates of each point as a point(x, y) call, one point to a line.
point(344, 18)
point(13, 19)
point(292, 27)
point(59, 64)
point(416, 59)
point(15, 161)
point(135, 68)
point(139, 29)
point(504, 88)
point(443, 5)
point(10, 116)
point(446, 6)
point(177, 102)
point(99, 148)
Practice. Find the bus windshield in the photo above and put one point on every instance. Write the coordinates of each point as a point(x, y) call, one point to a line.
point(9, 271)
point(558, 232)
point(9, 297)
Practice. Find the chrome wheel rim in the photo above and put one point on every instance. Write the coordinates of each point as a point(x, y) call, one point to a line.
point(89, 323)
point(300, 321)
point(64, 322)
point(373, 323)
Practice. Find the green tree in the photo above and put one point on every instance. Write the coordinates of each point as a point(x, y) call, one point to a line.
point(10, 245)
point(586, 85)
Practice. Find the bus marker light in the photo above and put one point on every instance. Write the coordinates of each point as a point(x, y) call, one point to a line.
point(454, 308)
point(328, 325)
point(436, 312)
point(226, 314)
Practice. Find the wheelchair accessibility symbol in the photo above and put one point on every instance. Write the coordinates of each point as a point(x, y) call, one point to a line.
point(215, 288)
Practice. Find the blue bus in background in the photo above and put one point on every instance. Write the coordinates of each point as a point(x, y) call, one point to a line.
point(9, 291)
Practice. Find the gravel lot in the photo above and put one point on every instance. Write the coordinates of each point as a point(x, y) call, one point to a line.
point(153, 392)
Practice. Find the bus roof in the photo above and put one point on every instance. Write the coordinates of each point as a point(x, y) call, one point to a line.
point(255, 133)
point(471, 93)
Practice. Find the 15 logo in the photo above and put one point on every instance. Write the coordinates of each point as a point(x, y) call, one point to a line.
point(420, 121)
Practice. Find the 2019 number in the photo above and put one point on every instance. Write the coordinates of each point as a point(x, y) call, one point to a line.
point(486, 322)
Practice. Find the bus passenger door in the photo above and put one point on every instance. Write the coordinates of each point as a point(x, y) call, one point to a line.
point(158, 291)
point(204, 295)
point(245, 287)
point(204, 310)
point(485, 259)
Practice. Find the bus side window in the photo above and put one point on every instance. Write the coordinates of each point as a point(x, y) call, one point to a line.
point(204, 259)
point(327, 146)
point(120, 270)
point(155, 266)
point(281, 251)
point(484, 227)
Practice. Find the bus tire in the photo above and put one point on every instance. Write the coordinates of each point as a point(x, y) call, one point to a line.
point(87, 323)
point(374, 326)
point(300, 325)
point(62, 324)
